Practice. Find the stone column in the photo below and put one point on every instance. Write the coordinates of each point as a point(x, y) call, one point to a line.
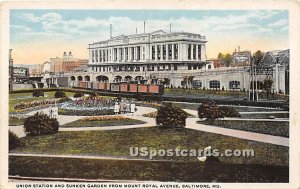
point(173, 55)
point(155, 52)
point(192, 51)
point(197, 52)
point(161, 52)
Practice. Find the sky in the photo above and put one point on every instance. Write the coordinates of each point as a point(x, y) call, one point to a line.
point(38, 35)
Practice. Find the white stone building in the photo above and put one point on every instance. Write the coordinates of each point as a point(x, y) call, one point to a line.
point(149, 56)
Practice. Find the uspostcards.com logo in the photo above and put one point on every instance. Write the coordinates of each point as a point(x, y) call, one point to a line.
point(178, 152)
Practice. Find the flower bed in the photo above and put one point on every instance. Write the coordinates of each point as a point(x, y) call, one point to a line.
point(34, 104)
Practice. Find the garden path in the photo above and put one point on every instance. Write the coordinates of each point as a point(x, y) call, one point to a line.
point(191, 124)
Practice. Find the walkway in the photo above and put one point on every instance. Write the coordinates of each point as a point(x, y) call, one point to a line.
point(191, 124)
point(277, 140)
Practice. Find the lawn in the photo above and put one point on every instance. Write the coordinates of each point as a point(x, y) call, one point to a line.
point(264, 115)
point(118, 142)
point(104, 121)
point(195, 106)
point(15, 121)
point(220, 94)
point(141, 170)
point(265, 127)
point(27, 97)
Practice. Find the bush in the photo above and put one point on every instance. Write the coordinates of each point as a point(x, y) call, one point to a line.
point(65, 99)
point(93, 94)
point(40, 124)
point(60, 94)
point(37, 93)
point(13, 140)
point(78, 94)
point(209, 110)
point(229, 112)
point(170, 116)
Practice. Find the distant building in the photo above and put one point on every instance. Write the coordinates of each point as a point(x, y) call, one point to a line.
point(216, 62)
point(281, 57)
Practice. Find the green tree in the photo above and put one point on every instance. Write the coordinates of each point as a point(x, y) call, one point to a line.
point(267, 86)
point(228, 59)
point(258, 56)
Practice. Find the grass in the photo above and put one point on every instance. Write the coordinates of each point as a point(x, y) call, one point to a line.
point(195, 106)
point(141, 170)
point(220, 93)
point(264, 116)
point(15, 121)
point(264, 127)
point(118, 142)
point(17, 98)
point(104, 121)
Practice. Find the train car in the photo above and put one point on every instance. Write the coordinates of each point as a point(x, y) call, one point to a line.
point(142, 88)
point(115, 87)
point(124, 87)
point(157, 89)
point(101, 86)
point(133, 88)
point(82, 84)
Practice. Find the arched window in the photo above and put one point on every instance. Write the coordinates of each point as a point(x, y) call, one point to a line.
point(79, 78)
point(73, 78)
point(214, 84)
point(234, 85)
point(87, 78)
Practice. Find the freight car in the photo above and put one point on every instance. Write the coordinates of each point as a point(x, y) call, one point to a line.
point(121, 87)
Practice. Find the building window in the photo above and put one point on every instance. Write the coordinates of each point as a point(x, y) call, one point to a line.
point(189, 67)
point(199, 52)
point(121, 58)
point(138, 49)
point(214, 84)
point(189, 52)
point(209, 66)
point(104, 56)
point(153, 52)
point(96, 54)
point(175, 66)
point(126, 53)
point(194, 52)
point(158, 52)
point(195, 67)
point(164, 52)
point(100, 55)
point(132, 53)
point(169, 52)
point(197, 84)
point(175, 51)
point(234, 85)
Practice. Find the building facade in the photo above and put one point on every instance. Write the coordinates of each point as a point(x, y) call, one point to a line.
point(148, 57)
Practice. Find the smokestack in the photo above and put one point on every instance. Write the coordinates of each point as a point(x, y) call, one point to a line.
point(135, 30)
point(239, 48)
point(170, 27)
point(110, 29)
point(144, 27)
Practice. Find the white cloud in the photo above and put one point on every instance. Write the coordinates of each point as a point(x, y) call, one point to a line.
point(55, 27)
point(279, 23)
